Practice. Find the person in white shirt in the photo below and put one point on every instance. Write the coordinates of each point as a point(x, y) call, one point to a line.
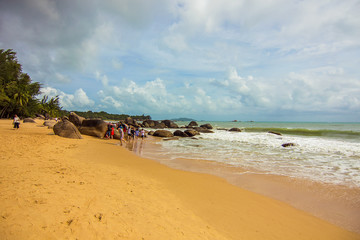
point(16, 122)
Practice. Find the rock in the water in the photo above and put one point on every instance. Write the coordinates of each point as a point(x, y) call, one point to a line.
point(93, 127)
point(276, 133)
point(163, 133)
point(235, 130)
point(29, 120)
point(202, 130)
point(151, 133)
point(180, 133)
point(149, 123)
point(288, 144)
point(160, 125)
point(192, 133)
point(170, 124)
point(192, 124)
point(66, 129)
point(207, 126)
point(76, 119)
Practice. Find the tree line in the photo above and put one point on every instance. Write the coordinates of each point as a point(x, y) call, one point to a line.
point(18, 95)
point(18, 92)
point(109, 116)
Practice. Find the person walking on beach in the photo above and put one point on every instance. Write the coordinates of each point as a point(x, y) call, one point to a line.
point(16, 122)
point(137, 132)
point(112, 131)
point(108, 132)
point(129, 133)
point(121, 131)
point(142, 134)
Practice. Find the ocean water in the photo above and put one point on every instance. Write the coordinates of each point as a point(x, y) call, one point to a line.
point(323, 152)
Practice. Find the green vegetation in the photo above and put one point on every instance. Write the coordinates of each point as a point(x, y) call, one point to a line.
point(18, 93)
point(109, 116)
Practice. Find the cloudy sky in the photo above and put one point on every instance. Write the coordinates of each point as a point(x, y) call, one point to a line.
point(275, 60)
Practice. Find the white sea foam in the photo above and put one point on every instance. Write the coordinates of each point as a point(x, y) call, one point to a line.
point(315, 158)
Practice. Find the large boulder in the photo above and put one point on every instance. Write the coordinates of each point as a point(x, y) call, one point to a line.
point(93, 127)
point(207, 126)
point(149, 123)
point(192, 133)
point(179, 133)
point(170, 124)
point(66, 129)
point(49, 123)
point(203, 130)
point(192, 124)
point(76, 119)
point(235, 130)
point(163, 133)
point(160, 125)
point(132, 122)
point(29, 120)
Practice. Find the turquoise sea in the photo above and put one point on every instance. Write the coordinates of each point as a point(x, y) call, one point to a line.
point(324, 152)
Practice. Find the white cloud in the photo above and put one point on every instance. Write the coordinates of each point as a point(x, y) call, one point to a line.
point(173, 57)
point(77, 101)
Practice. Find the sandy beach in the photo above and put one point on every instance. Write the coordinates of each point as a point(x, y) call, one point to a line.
point(58, 188)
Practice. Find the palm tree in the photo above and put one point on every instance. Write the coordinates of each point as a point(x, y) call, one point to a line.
point(50, 107)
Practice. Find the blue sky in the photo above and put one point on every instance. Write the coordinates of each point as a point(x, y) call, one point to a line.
point(279, 60)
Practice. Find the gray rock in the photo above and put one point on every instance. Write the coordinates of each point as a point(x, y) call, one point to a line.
point(49, 123)
point(66, 129)
point(76, 119)
point(192, 133)
point(207, 126)
point(29, 120)
point(170, 124)
point(93, 127)
point(160, 125)
point(163, 133)
point(276, 133)
point(235, 130)
point(180, 133)
point(288, 145)
point(192, 124)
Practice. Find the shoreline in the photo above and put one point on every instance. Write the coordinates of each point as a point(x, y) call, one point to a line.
point(337, 204)
point(91, 188)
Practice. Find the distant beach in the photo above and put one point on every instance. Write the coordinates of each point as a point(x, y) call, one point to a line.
point(92, 188)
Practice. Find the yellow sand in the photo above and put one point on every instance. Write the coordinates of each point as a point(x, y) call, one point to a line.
point(58, 188)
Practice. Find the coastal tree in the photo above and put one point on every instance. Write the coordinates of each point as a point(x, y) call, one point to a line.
point(50, 107)
point(17, 94)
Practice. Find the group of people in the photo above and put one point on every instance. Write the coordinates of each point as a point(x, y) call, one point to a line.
point(124, 130)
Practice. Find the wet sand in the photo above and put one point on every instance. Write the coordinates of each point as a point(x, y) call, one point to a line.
point(337, 204)
point(57, 188)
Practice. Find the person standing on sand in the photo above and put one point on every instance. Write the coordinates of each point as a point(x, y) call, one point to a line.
point(121, 135)
point(16, 122)
point(112, 131)
point(142, 134)
point(108, 132)
point(129, 133)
